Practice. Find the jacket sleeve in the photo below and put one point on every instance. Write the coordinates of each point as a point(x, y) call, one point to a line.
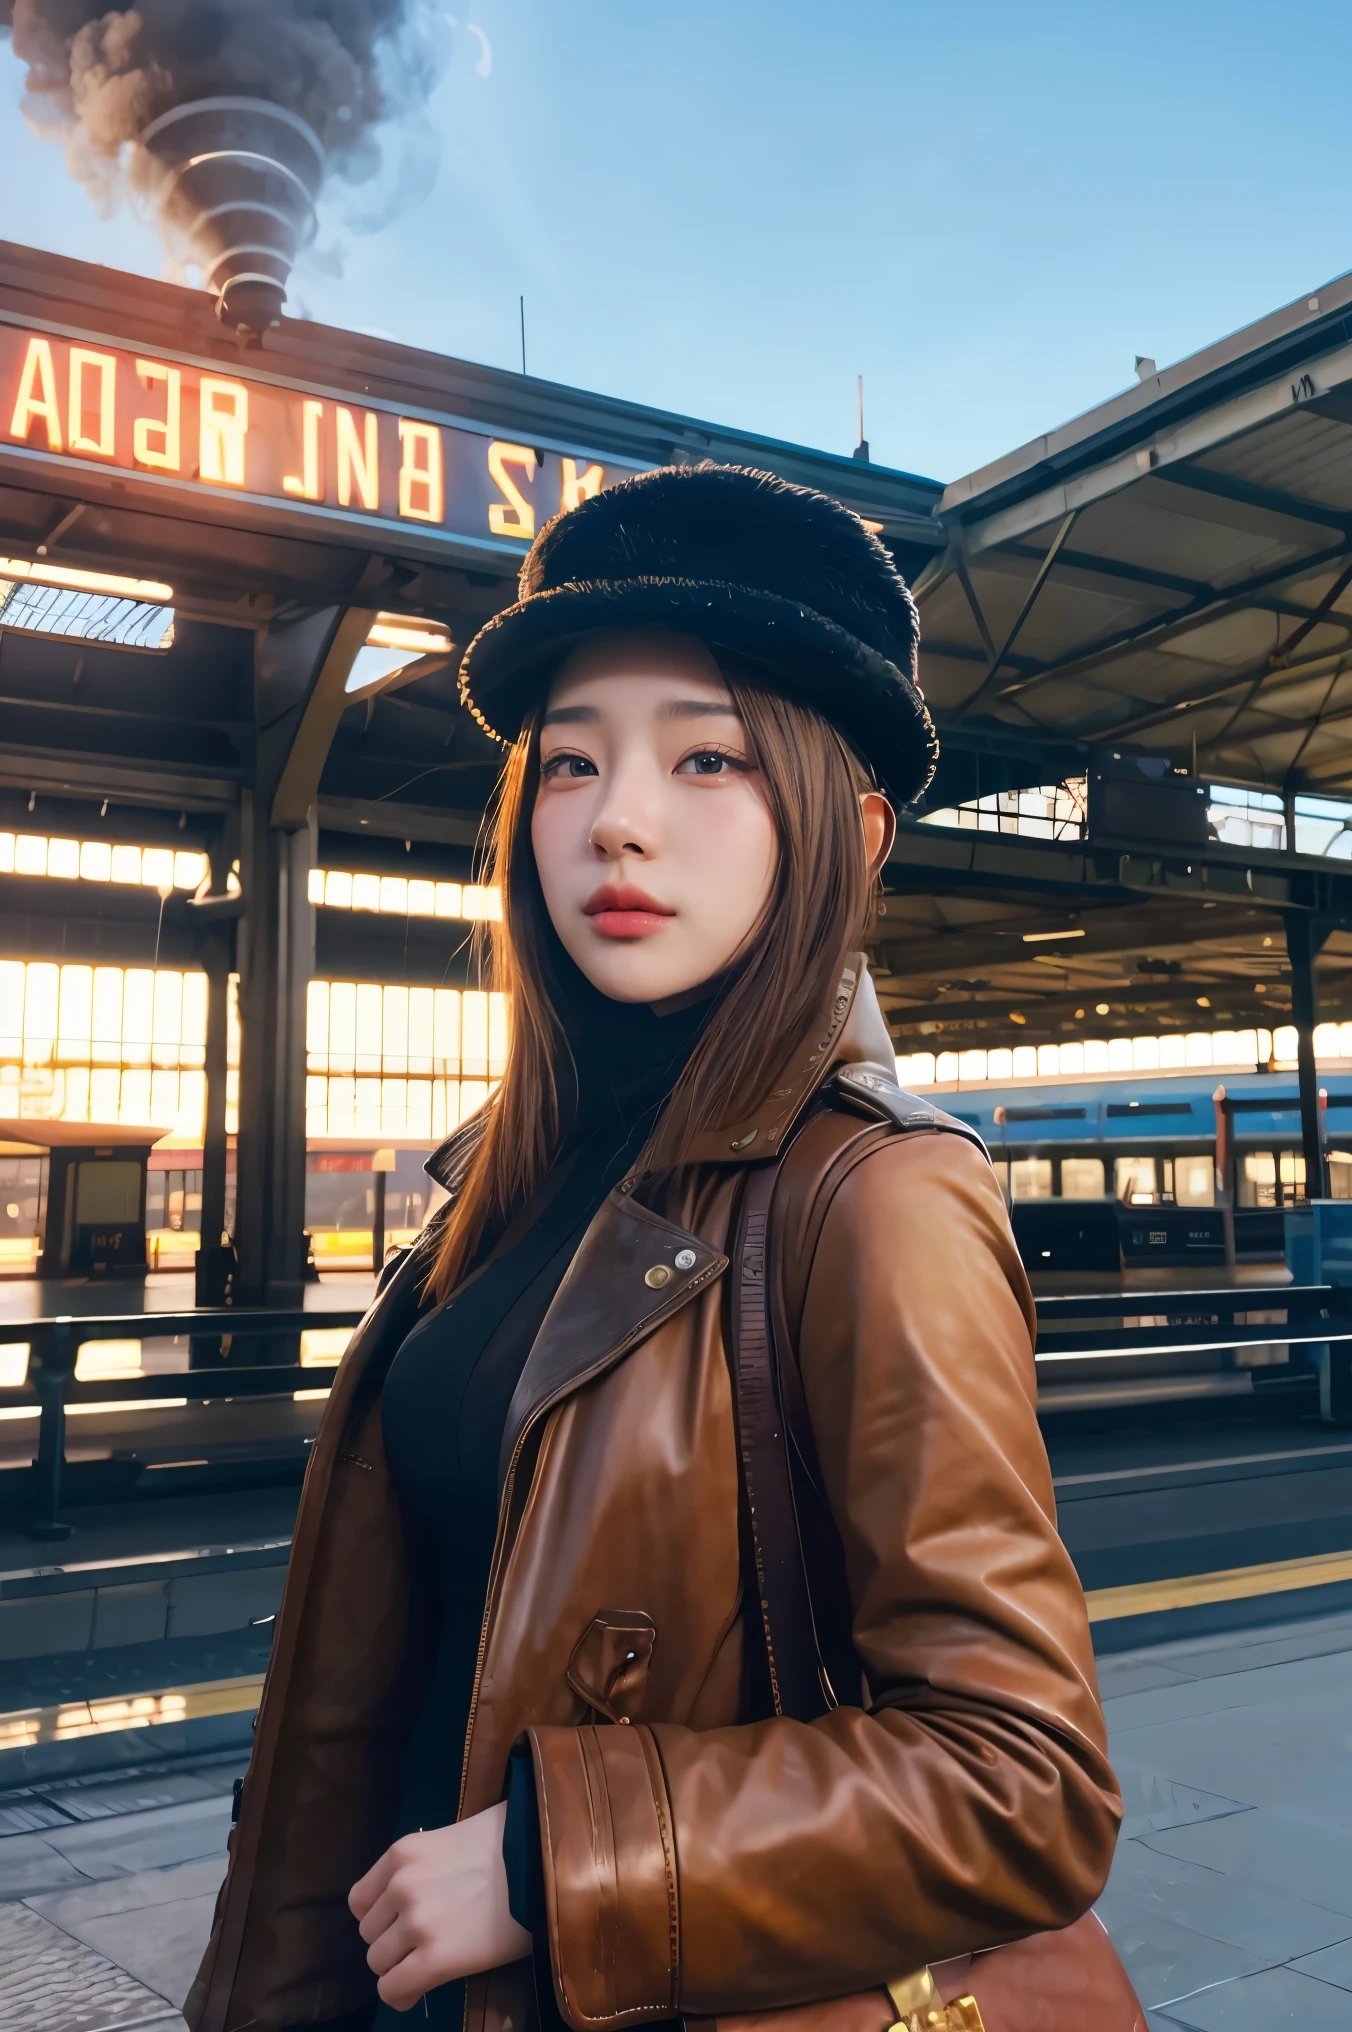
point(971, 1801)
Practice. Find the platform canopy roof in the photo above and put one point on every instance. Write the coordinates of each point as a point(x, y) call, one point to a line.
point(1172, 567)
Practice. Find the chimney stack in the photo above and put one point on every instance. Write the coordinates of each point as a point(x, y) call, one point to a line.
point(236, 182)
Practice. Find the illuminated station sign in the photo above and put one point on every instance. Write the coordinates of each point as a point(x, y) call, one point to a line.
point(70, 400)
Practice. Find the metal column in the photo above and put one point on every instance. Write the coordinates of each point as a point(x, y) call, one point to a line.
point(1304, 937)
point(302, 662)
point(275, 967)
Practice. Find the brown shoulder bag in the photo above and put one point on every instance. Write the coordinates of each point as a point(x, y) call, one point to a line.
point(1065, 1981)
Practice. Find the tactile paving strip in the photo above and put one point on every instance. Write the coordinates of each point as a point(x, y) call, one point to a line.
point(51, 1983)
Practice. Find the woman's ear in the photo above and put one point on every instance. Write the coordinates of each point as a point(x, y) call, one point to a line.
point(880, 828)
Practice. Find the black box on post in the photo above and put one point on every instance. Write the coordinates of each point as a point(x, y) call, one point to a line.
point(1144, 797)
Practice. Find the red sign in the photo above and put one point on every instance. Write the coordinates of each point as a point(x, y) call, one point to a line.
point(70, 398)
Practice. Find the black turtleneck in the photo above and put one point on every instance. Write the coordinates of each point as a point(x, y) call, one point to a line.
point(449, 1386)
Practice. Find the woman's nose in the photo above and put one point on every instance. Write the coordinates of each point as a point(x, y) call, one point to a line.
point(613, 836)
point(620, 826)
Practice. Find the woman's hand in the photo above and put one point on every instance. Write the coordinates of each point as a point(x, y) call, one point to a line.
point(435, 1908)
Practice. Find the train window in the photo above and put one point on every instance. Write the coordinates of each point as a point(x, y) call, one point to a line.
point(1082, 1178)
point(1134, 1181)
point(1340, 1174)
point(1195, 1181)
point(1026, 1177)
point(1271, 1179)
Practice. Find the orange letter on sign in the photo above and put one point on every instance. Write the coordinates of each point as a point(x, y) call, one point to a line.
point(359, 463)
point(307, 486)
point(514, 516)
point(37, 395)
point(224, 427)
point(422, 496)
point(579, 486)
point(160, 444)
point(83, 361)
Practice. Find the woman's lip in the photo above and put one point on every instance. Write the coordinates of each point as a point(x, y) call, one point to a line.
point(623, 896)
point(628, 923)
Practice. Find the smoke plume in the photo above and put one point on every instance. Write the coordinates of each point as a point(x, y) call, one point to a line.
point(99, 78)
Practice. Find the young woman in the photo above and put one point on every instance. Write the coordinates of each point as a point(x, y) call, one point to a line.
point(524, 1528)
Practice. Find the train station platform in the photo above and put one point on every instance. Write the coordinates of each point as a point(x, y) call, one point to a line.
point(28, 1298)
point(1230, 1898)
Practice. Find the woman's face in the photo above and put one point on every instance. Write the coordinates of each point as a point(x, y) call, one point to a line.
point(654, 842)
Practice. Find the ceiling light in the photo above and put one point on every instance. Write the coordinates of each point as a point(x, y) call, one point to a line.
point(1260, 987)
point(1079, 1015)
point(47, 574)
point(393, 643)
point(1036, 937)
point(1204, 1001)
point(401, 631)
point(1015, 1017)
point(1100, 1008)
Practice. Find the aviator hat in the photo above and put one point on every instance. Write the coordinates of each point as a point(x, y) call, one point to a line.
point(780, 576)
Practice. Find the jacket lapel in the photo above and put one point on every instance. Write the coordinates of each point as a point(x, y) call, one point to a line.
point(632, 1271)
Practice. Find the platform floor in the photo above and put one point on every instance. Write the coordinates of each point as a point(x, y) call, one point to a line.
point(25, 1298)
point(1230, 1898)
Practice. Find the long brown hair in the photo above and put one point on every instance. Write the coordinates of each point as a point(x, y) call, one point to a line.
point(765, 1009)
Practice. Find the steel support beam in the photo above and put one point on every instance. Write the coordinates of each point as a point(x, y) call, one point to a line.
point(1304, 937)
point(1000, 655)
point(1151, 634)
point(217, 948)
point(304, 655)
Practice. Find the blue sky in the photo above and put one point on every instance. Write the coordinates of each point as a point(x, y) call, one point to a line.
point(731, 208)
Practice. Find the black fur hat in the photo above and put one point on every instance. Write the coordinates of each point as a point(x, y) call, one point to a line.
point(782, 577)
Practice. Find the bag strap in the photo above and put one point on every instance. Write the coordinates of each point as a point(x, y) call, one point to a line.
point(796, 1678)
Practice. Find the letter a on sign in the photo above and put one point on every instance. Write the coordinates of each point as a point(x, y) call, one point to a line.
point(37, 395)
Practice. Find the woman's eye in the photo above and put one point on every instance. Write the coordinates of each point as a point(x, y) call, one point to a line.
point(567, 765)
point(708, 762)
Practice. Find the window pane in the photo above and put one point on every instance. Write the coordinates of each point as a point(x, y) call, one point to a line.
point(1195, 1180)
point(1134, 1180)
point(1030, 1178)
point(1082, 1178)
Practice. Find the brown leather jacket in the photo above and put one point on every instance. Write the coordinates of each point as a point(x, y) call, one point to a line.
point(700, 1860)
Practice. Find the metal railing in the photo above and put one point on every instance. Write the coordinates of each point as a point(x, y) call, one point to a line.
point(53, 1385)
point(1136, 1324)
point(1168, 1334)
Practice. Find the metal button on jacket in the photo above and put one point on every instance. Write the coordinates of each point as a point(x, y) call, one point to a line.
point(658, 1276)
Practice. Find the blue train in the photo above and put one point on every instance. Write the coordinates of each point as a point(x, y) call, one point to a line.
point(1135, 1158)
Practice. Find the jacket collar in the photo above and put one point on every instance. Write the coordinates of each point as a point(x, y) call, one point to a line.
point(850, 1032)
point(633, 1270)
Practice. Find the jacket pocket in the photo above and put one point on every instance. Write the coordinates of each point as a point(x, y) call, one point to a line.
point(609, 1665)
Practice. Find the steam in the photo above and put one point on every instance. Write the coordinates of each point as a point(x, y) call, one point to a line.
point(357, 73)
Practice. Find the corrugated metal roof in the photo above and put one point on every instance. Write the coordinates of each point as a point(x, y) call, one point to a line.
point(1201, 586)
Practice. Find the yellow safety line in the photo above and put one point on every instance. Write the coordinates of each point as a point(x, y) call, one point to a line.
point(239, 1696)
point(1278, 1576)
point(133, 1711)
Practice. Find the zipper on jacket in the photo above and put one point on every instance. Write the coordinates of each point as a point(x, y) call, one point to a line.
point(542, 1411)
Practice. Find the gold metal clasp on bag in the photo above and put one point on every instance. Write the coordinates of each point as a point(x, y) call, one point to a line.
point(920, 2008)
